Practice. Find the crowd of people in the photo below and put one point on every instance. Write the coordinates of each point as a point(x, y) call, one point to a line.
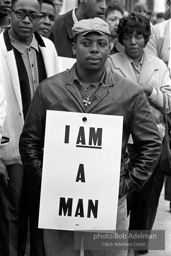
point(122, 68)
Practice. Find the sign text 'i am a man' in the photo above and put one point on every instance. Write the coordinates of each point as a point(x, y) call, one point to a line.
point(94, 141)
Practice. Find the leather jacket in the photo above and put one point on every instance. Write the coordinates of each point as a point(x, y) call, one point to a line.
point(116, 96)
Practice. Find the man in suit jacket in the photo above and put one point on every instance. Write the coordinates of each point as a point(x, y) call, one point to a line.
point(62, 32)
point(159, 43)
point(26, 60)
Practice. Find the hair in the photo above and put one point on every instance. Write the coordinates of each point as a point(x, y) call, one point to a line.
point(48, 2)
point(15, 1)
point(134, 22)
point(160, 15)
point(114, 6)
point(167, 14)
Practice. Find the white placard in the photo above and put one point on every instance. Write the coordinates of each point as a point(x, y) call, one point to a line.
point(65, 63)
point(81, 171)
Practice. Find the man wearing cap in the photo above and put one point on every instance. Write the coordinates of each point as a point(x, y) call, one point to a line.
point(90, 87)
point(62, 32)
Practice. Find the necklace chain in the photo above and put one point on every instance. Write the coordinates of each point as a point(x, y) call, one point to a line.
point(86, 98)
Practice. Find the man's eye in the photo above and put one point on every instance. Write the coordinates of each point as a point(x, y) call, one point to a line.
point(113, 19)
point(52, 17)
point(86, 43)
point(20, 13)
point(33, 15)
point(107, 1)
point(102, 44)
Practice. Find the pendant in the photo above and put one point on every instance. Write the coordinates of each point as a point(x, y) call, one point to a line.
point(86, 102)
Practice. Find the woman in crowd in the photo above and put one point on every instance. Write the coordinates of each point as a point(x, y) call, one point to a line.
point(152, 75)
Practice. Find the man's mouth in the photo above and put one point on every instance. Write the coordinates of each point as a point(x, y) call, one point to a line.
point(101, 14)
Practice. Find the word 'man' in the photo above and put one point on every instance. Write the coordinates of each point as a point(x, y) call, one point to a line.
point(66, 208)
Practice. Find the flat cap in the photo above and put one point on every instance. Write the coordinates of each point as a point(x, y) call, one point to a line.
point(90, 25)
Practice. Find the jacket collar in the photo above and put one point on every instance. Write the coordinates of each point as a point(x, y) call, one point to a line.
point(22, 47)
point(8, 41)
point(109, 78)
point(69, 23)
point(127, 71)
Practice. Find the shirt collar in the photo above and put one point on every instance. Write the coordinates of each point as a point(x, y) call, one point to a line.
point(2, 28)
point(74, 16)
point(22, 47)
point(109, 80)
point(76, 78)
point(141, 61)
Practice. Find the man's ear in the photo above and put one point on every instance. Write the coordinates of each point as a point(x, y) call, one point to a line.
point(74, 48)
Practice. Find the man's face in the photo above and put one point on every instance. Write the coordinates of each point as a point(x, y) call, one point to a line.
point(112, 19)
point(141, 11)
point(92, 51)
point(22, 29)
point(5, 6)
point(95, 8)
point(47, 21)
point(134, 44)
point(58, 6)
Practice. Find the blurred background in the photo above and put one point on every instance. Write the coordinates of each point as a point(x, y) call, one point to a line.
point(153, 8)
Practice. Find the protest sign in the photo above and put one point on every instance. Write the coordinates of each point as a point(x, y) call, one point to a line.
point(81, 171)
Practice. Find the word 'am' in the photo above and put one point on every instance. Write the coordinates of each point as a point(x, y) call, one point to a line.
point(93, 141)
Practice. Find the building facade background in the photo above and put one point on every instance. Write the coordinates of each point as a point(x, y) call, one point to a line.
point(152, 5)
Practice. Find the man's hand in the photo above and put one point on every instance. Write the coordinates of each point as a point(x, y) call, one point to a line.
point(3, 174)
point(147, 89)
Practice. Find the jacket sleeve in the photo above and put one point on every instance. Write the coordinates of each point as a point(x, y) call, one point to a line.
point(152, 46)
point(165, 88)
point(146, 148)
point(31, 142)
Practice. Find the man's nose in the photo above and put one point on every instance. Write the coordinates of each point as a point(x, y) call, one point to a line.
point(103, 5)
point(46, 20)
point(26, 19)
point(94, 47)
